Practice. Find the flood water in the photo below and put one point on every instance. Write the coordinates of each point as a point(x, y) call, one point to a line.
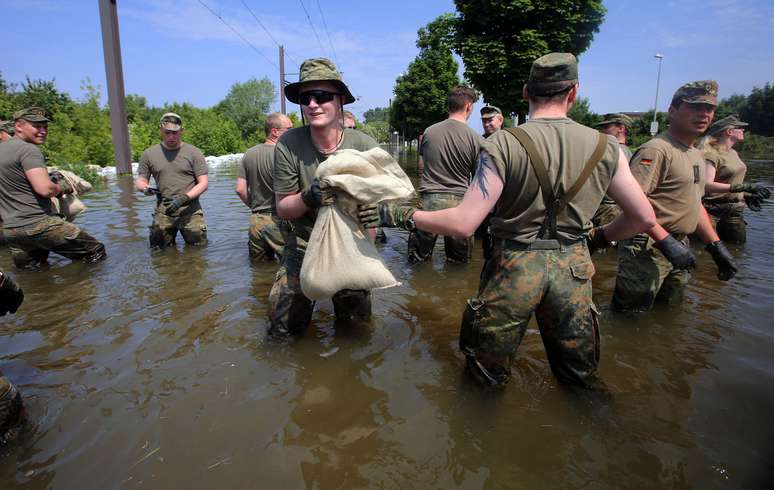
point(153, 370)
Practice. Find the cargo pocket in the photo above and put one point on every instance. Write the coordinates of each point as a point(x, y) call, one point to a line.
point(583, 271)
point(470, 329)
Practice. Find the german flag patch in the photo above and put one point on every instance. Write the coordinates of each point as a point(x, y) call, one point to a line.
point(646, 161)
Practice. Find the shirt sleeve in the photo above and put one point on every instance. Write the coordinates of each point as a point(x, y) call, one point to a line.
point(199, 164)
point(647, 166)
point(285, 174)
point(143, 169)
point(712, 157)
point(495, 150)
point(31, 157)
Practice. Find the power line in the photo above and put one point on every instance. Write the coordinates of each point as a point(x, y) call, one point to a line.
point(312, 25)
point(327, 32)
point(238, 34)
point(267, 30)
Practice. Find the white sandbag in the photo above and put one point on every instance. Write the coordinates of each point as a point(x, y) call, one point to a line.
point(339, 253)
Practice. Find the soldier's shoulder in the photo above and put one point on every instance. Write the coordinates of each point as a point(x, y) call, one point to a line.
point(359, 139)
point(193, 150)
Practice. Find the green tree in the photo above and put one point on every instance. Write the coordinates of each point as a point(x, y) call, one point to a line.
point(759, 110)
point(212, 133)
point(43, 93)
point(378, 130)
point(499, 39)
point(581, 112)
point(421, 92)
point(377, 114)
point(247, 104)
point(732, 105)
point(639, 133)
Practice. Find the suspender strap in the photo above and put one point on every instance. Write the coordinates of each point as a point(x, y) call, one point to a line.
point(553, 205)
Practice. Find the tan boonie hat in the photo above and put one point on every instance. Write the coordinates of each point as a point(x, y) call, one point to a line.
point(7, 127)
point(552, 73)
point(701, 92)
point(31, 114)
point(490, 111)
point(726, 123)
point(615, 118)
point(171, 122)
point(318, 70)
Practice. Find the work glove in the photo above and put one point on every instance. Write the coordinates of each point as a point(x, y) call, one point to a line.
point(387, 215)
point(759, 190)
point(679, 255)
point(753, 201)
point(318, 194)
point(150, 191)
point(596, 240)
point(57, 178)
point(177, 203)
point(726, 267)
point(11, 295)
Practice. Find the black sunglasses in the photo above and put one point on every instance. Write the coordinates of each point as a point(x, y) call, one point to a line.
point(321, 96)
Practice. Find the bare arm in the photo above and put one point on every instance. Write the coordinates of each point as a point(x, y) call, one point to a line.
point(638, 214)
point(704, 229)
point(712, 187)
point(241, 190)
point(290, 206)
point(202, 181)
point(480, 198)
point(41, 184)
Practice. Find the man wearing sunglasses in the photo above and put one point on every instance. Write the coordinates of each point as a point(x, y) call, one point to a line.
point(180, 172)
point(255, 188)
point(322, 94)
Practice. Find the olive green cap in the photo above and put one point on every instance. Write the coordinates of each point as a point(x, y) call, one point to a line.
point(615, 118)
point(490, 111)
point(8, 127)
point(171, 122)
point(31, 114)
point(700, 92)
point(318, 70)
point(726, 123)
point(552, 73)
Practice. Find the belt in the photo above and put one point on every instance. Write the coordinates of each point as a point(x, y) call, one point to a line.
point(539, 244)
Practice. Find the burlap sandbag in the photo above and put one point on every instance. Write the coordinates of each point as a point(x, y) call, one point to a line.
point(340, 254)
point(69, 205)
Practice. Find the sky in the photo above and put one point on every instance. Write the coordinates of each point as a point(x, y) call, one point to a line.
point(177, 50)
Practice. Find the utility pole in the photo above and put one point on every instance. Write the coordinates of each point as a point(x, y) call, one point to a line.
point(654, 124)
point(282, 77)
point(111, 46)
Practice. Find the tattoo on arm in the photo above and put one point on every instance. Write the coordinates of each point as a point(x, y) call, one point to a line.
point(484, 162)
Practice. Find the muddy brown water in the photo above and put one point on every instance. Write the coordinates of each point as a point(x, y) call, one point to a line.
point(152, 370)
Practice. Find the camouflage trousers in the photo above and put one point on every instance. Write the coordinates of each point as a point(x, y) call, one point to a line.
point(606, 213)
point(645, 276)
point(421, 244)
point(555, 285)
point(11, 411)
point(265, 239)
point(728, 219)
point(290, 312)
point(2, 235)
point(164, 228)
point(30, 245)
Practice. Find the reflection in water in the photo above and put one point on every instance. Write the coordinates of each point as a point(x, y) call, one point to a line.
point(153, 369)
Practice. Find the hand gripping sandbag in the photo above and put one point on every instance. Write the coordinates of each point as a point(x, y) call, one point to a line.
point(339, 254)
point(70, 205)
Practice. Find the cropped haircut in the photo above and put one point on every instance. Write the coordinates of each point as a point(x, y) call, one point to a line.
point(549, 99)
point(459, 96)
point(273, 120)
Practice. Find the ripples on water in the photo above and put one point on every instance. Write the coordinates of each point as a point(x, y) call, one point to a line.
point(152, 369)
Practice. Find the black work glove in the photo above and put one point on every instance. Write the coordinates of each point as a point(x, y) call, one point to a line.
point(753, 201)
point(11, 295)
point(318, 194)
point(596, 240)
point(726, 266)
point(57, 178)
point(388, 215)
point(759, 190)
point(177, 203)
point(676, 253)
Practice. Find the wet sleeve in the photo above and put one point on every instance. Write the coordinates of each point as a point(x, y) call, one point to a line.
point(199, 164)
point(285, 172)
point(143, 169)
point(31, 157)
point(647, 166)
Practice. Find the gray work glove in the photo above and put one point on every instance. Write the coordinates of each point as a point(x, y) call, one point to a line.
point(676, 253)
point(57, 178)
point(726, 266)
point(387, 215)
point(11, 295)
point(759, 190)
point(753, 201)
point(318, 194)
point(177, 203)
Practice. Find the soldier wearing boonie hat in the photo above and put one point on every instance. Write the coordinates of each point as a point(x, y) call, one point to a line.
point(181, 176)
point(671, 171)
point(491, 119)
point(726, 191)
point(540, 261)
point(617, 126)
point(322, 94)
point(31, 226)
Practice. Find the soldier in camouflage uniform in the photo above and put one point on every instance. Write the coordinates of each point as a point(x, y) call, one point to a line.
point(255, 188)
point(540, 263)
point(322, 94)
point(616, 125)
point(11, 408)
point(181, 176)
point(30, 225)
point(726, 191)
point(656, 266)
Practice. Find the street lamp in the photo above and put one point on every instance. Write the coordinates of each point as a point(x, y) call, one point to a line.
point(654, 124)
